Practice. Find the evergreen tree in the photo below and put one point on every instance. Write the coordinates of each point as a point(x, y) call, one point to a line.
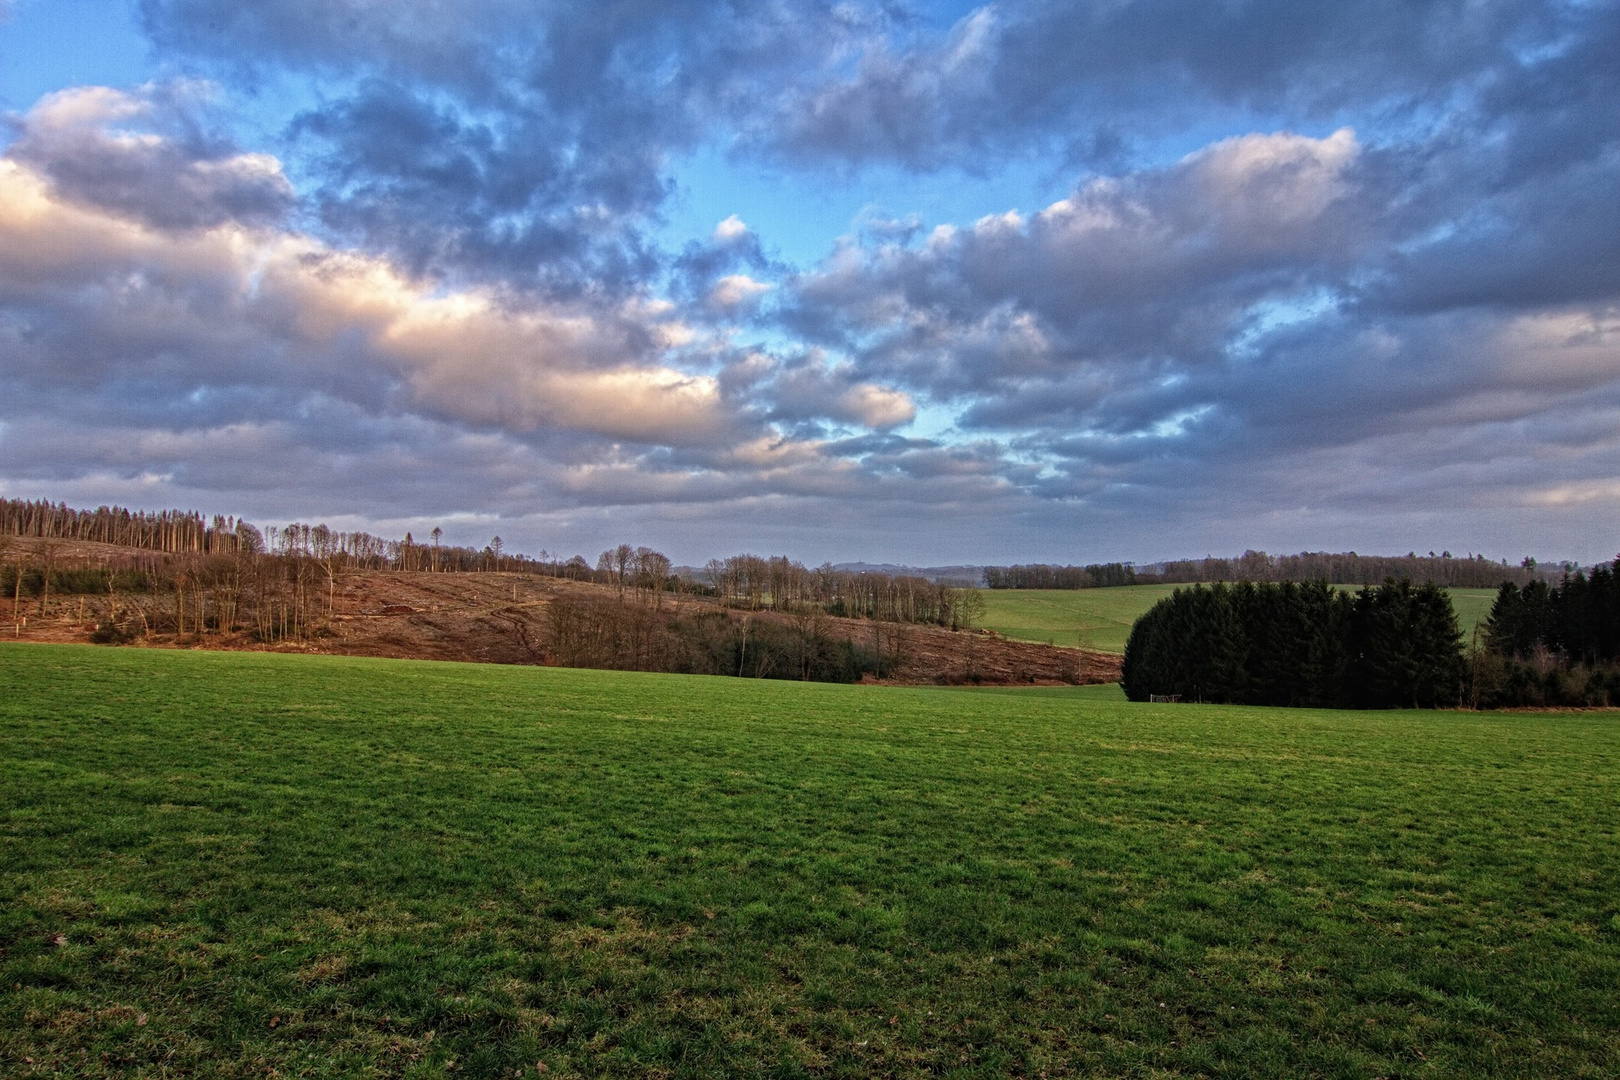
point(1405, 650)
point(1396, 645)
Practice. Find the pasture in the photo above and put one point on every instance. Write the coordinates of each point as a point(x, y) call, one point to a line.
point(251, 864)
point(1102, 618)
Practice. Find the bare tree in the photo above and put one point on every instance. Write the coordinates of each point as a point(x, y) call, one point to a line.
point(969, 608)
point(652, 574)
point(616, 564)
point(7, 547)
point(331, 563)
point(48, 551)
point(809, 623)
point(112, 600)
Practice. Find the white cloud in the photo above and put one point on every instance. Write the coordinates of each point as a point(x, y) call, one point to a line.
point(737, 289)
point(732, 228)
point(878, 406)
point(328, 315)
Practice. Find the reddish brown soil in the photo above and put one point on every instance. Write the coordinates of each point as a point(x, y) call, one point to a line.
point(500, 618)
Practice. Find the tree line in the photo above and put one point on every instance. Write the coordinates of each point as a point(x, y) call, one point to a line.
point(170, 531)
point(1347, 568)
point(1046, 576)
point(780, 584)
point(1395, 645)
point(1553, 644)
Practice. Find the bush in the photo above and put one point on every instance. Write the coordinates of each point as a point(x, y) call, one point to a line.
point(110, 633)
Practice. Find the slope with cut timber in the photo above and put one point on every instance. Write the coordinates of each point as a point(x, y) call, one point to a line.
point(486, 617)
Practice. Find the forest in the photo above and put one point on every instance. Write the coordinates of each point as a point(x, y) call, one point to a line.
point(1552, 645)
point(1394, 645)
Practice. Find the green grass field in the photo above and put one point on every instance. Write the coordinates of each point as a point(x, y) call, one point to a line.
point(246, 864)
point(1102, 618)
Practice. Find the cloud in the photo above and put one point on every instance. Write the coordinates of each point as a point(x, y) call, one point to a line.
point(808, 389)
point(1329, 272)
point(734, 290)
point(196, 355)
point(1096, 80)
point(1155, 264)
point(495, 140)
point(1228, 327)
point(234, 306)
point(147, 154)
point(729, 231)
point(721, 277)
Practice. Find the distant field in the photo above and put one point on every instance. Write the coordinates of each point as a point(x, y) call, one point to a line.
point(1102, 618)
point(250, 864)
point(1091, 618)
point(1473, 607)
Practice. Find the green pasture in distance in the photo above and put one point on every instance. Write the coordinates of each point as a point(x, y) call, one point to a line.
point(1090, 618)
point(1102, 618)
point(1473, 607)
point(250, 864)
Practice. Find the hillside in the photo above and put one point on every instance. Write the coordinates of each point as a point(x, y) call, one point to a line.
point(492, 617)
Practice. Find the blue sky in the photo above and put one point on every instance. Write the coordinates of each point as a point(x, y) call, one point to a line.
point(925, 283)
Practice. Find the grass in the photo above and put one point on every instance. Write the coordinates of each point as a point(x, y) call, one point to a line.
point(1091, 618)
point(1473, 607)
point(1102, 618)
point(247, 864)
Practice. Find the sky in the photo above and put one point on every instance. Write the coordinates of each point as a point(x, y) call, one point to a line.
point(912, 283)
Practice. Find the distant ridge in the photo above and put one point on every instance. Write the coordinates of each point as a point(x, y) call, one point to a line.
point(972, 575)
point(939, 575)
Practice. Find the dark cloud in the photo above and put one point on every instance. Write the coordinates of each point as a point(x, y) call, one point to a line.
point(503, 198)
point(267, 362)
point(1274, 321)
point(807, 390)
point(497, 140)
point(151, 154)
point(1516, 194)
point(1075, 77)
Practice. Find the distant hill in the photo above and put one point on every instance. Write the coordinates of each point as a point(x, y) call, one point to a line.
point(970, 575)
point(939, 575)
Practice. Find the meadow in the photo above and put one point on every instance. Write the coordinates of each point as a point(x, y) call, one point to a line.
point(1102, 618)
point(246, 864)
